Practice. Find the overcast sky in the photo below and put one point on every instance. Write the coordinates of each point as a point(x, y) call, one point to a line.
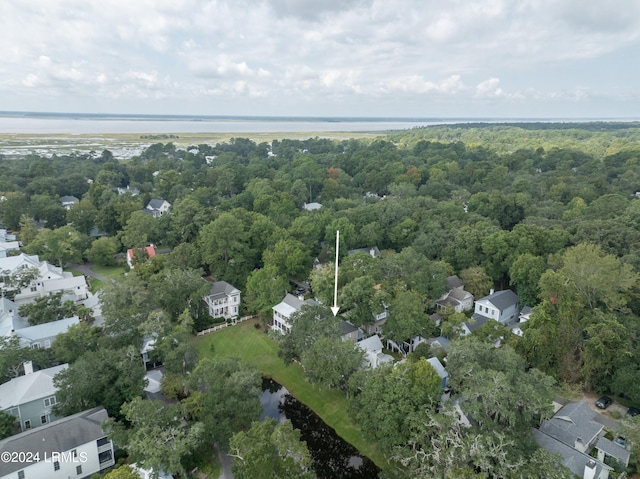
point(392, 58)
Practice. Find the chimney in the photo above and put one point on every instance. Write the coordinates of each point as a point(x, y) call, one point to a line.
point(578, 444)
point(589, 470)
point(28, 367)
point(491, 291)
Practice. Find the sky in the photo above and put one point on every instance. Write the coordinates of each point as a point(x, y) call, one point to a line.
point(348, 58)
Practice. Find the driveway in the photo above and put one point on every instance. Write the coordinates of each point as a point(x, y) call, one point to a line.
point(604, 416)
point(85, 269)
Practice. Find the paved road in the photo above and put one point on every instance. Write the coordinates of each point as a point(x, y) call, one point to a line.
point(86, 270)
point(225, 461)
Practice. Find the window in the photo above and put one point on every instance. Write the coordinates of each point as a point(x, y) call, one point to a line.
point(27, 424)
point(56, 465)
point(102, 441)
point(33, 289)
point(20, 474)
point(78, 470)
point(44, 419)
point(47, 343)
point(35, 345)
point(50, 401)
point(75, 453)
point(105, 457)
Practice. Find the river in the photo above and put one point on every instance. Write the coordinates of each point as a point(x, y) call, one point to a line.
point(332, 458)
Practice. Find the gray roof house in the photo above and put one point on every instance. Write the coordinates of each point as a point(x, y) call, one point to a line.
point(30, 397)
point(283, 311)
point(7, 243)
point(74, 446)
point(350, 332)
point(158, 207)
point(41, 336)
point(573, 432)
point(374, 356)
point(456, 298)
point(579, 463)
point(10, 320)
point(68, 201)
point(223, 300)
point(501, 306)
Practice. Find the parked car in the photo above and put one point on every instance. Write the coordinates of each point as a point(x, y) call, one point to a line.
point(604, 402)
point(632, 411)
point(620, 441)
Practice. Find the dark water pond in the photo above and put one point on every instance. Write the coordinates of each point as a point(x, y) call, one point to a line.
point(332, 458)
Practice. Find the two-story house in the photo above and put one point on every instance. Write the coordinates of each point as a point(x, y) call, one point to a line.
point(30, 397)
point(7, 243)
point(501, 306)
point(456, 298)
point(283, 311)
point(71, 447)
point(42, 336)
point(223, 301)
point(374, 356)
point(158, 207)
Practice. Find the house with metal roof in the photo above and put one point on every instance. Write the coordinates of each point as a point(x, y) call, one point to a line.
point(223, 301)
point(456, 298)
point(30, 397)
point(74, 446)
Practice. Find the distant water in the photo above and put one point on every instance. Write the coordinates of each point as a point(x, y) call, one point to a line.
point(84, 123)
point(81, 124)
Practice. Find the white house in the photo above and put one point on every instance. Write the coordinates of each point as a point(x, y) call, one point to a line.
point(131, 254)
point(10, 320)
point(158, 207)
point(71, 447)
point(374, 356)
point(223, 300)
point(312, 206)
point(456, 298)
point(501, 306)
point(30, 397)
point(283, 311)
point(50, 279)
point(68, 201)
point(7, 243)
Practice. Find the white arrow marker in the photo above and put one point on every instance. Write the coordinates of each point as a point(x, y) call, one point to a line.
point(335, 308)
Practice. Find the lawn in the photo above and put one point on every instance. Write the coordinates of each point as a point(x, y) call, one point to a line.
point(254, 347)
point(113, 272)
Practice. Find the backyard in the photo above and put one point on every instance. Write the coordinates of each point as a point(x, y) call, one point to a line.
point(254, 347)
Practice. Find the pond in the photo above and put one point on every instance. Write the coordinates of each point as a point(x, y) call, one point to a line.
point(332, 458)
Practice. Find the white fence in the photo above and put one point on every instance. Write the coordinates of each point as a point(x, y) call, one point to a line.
point(224, 325)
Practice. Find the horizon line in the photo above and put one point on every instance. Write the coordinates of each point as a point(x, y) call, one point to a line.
point(479, 119)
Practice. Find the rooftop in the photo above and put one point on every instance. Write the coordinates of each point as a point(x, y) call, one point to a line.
point(29, 387)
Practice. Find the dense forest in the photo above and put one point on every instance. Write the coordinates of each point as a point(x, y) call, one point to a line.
point(547, 210)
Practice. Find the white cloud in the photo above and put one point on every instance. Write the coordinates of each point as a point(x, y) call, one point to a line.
point(316, 54)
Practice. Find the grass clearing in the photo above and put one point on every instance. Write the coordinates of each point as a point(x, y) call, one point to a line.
point(113, 272)
point(255, 348)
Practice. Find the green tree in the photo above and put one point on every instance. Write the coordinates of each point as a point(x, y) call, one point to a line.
point(222, 248)
point(331, 362)
point(390, 396)
point(13, 356)
point(47, 309)
point(83, 216)
point(77, 340)
point(102, 251)
point(406, 317)
point(176, 289)
point(291, 257)
point(9, 425)
point(60, 246)
point(270, 450)
point(88, 383)
point(265, 288)
point(476, 281)
point(308, 324)
point(225, 397)
point(14, 281)
point(122, 472)
point(525, 273)
point(156, 438)
point(125, 307)
point(140, 230)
